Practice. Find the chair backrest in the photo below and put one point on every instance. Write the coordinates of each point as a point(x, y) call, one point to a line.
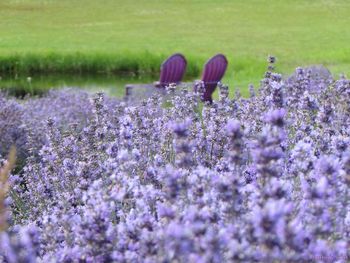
point(213, 72)
point(172, 70)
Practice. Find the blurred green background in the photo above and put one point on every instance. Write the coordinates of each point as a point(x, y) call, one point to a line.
point(110, 38)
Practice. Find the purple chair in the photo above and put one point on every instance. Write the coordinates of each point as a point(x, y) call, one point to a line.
point(213, 72)
point(172, 70)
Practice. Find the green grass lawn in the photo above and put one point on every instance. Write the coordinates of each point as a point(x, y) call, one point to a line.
point(137, 35)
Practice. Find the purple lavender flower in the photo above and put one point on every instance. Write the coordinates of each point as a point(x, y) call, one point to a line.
point(166, 179)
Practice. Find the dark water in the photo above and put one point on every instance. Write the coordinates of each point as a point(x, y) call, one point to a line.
point(111, 85)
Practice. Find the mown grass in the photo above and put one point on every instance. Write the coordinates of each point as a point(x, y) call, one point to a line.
point(110, 37)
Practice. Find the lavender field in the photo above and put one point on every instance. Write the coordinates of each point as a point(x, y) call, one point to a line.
point(258, 179)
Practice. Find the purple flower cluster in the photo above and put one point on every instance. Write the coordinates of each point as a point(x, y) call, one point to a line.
point(12, 131)
point(259, 179)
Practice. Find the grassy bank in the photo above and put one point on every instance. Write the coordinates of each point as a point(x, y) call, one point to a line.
point(110, 37)
point(144, 65)
point(125, 63)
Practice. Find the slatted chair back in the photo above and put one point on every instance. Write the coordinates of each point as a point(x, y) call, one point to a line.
point(172, 70)
point(213, 72)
